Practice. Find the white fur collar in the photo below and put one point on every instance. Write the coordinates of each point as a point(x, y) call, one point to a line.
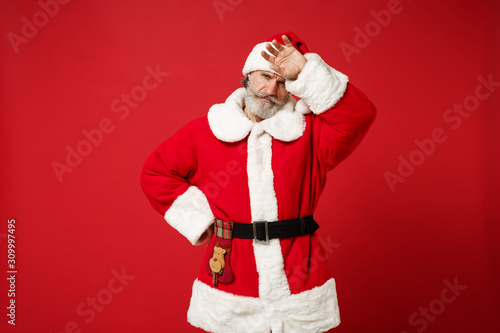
point(229, 123)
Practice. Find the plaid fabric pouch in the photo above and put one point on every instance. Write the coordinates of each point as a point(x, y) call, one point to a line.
point(219, 264)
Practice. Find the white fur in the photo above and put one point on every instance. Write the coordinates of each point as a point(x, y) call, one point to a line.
point(312, 311)
point(320, 315)
point(286, 125)
point(190, 214)
point(302, 107)
point(273, 283)
point(229, 122)
point(255, 61)
point(217, 311)
point(319, 85)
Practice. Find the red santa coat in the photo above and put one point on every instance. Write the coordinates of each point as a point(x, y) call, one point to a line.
point(227, 167)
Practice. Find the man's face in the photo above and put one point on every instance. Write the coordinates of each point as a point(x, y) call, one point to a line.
point(266, 93)
point(268, 83)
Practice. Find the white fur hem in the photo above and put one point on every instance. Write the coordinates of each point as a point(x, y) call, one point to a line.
point(191, 215)
point(319, 85)
point(312, 311)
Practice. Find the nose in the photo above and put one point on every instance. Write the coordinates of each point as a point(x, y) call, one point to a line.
point(272, 88)
point(215, 259)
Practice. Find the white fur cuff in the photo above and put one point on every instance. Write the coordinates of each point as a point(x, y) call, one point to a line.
point(319, 85)
point(191, 215)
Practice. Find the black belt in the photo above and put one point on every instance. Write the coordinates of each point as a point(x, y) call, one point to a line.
point(263, 231)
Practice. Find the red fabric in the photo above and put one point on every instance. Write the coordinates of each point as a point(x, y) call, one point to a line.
point(296, 41)
point(194, 156)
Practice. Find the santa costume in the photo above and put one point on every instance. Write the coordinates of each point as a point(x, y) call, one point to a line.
point(258, 184)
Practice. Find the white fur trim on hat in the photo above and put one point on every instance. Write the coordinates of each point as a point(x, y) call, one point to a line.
point(255, 61)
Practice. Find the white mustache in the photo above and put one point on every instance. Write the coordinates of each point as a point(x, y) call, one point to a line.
point(271, 98)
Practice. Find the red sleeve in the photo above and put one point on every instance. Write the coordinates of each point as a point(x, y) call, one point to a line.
point(342, 114)
point(165, 181)
point(165, 174)
point(339, 130)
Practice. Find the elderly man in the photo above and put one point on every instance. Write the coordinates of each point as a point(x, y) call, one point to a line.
point(247, 178)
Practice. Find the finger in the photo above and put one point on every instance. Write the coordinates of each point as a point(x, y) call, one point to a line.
point(287, 41)
point(276, 68)
point(272, 50)
point(277, 45)
point(267, 57)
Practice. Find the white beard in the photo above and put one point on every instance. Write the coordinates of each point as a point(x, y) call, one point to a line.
point(261, 108)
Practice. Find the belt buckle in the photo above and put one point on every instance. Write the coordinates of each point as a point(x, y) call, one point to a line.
point(266, 229)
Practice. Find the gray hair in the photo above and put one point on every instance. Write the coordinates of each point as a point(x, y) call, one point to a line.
point(245, 81)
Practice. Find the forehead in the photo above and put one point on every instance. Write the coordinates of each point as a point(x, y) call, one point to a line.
point(271, 74)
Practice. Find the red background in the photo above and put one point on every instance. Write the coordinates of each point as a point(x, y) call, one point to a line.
point(393, 248)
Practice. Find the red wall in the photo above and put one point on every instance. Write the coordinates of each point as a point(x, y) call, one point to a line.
point(411, 218)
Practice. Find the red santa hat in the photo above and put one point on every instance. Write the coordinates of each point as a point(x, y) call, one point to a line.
point(255, 61)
